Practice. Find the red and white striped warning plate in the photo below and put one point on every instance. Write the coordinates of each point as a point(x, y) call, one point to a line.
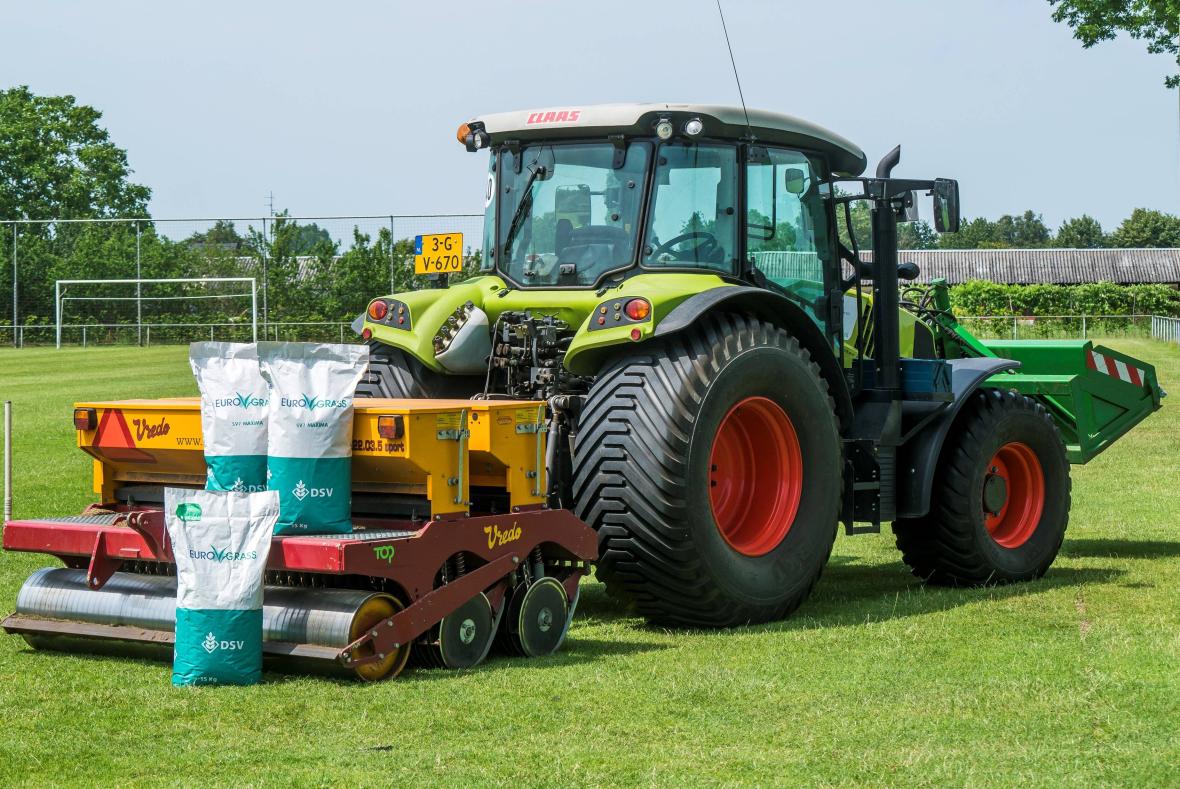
point(1116, 368)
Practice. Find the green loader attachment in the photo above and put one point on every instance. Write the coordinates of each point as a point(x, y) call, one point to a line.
point(1094, 393)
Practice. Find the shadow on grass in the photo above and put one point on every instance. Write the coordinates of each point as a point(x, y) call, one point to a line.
point(1121, 549)
point(850, 594)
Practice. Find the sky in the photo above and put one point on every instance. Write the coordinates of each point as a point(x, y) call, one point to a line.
point(351, 108)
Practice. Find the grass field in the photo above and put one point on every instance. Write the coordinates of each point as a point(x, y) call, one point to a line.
point(1074, 679)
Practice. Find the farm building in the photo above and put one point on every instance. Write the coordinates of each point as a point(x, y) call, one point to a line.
point(1053, 266)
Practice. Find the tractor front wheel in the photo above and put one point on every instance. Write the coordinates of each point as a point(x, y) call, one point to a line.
point(1001, 497)
point(710, 465)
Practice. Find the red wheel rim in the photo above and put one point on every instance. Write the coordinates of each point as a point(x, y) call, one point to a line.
point(755, 476)
point(1018, 468)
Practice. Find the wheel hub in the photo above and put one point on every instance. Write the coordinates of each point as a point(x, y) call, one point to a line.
point(755, 476)
point(995, 492)
point(1013, 496)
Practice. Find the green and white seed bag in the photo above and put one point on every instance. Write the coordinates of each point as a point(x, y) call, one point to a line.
point(221, 541)
point(233, 414)
point(309, 432)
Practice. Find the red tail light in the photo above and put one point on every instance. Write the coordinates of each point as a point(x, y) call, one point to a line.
point(637, 309)
point(85, 419)
point(378, 310)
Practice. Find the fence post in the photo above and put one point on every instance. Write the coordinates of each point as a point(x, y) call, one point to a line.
point(83, 336)
point(7, 461)
point(14, 291)
point(138, 291)
point(341, 327)
point(148, 336)
point(1014, 327)
point(1083, 327)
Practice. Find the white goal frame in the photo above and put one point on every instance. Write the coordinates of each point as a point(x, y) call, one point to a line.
point(59, 297)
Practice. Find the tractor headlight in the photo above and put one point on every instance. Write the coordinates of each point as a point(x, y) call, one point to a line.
point(694, 127)
point(664, 129)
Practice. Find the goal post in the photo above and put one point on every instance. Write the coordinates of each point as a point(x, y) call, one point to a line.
point(59, 295)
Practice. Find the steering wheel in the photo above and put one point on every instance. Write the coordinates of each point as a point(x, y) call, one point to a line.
point(702, 251)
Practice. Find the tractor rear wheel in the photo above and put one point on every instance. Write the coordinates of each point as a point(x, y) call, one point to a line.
point(394, 373)
point(710, 465)
point(1001, 497)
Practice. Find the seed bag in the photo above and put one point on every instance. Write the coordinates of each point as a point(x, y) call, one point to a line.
point(220, 540)
point(233, 414)
point(309, 432)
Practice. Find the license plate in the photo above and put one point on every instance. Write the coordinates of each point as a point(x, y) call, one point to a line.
point(438, 253)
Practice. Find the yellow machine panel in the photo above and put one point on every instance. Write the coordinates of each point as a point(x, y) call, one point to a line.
point(432, 448)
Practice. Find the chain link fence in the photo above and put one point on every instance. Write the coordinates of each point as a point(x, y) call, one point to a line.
point(314, 274)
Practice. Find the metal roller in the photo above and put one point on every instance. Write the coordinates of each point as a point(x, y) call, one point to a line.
point(136, 614)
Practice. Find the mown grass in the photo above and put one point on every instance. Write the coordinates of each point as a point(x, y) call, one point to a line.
point(877, 679)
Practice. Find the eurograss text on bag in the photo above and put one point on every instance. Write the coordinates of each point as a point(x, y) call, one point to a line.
point(233, 414)
point(309, 432)
point(220, 540)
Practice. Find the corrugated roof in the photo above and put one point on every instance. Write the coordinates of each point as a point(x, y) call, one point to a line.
point(1052, 266)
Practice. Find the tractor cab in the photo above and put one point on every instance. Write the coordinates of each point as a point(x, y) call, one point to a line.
point(587, 197)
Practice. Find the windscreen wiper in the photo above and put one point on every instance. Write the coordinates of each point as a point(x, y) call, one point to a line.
point(536, 170)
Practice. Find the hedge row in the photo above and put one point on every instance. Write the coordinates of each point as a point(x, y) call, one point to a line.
point(979, 297)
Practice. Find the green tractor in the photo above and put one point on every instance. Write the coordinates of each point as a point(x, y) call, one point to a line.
point(726, 381)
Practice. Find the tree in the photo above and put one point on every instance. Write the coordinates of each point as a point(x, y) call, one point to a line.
point(1147, 228)
point(916, 235)
point(1081, 232)
point(1007, 232)
point(1021, 232)
point(223, 234)
point(56, 161)
point(1093, 21)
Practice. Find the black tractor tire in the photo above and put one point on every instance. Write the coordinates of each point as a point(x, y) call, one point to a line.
point(645, 474)
point(395, 373)
point(1004, 445)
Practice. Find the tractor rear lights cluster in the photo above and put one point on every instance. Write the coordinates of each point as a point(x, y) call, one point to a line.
point(390, 312)
point(85, 419)
point(451, 326)
point(620, 312)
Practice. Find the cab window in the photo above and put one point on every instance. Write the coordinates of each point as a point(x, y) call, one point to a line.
point(786, 226)
point(693, 217)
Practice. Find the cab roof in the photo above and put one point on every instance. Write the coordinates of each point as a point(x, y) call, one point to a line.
point(552, 123)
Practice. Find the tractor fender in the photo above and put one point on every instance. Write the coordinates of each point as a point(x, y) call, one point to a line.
point(918, 458)
point(773, 308)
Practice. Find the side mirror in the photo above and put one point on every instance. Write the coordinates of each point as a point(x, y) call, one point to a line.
point(946, 205)
point(795, 181)
point(911, 208)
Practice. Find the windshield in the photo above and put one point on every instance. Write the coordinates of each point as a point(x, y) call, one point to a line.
point(569, 216)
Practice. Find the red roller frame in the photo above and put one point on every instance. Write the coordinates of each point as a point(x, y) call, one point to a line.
point(411, 562)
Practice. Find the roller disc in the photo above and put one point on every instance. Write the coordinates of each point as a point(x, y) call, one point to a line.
point(377, 609)
point(539, 613)
point(465, 634)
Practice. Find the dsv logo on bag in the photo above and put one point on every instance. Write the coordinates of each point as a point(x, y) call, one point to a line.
point(211, 644)
point(301, 492)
